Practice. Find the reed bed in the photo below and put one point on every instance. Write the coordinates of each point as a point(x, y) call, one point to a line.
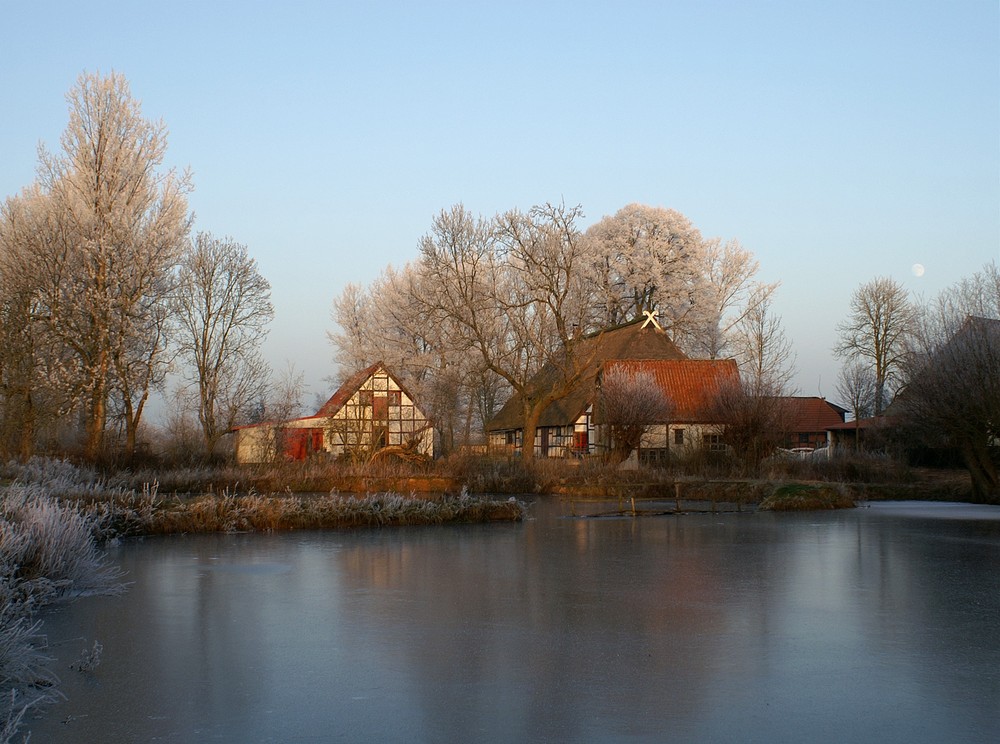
point(135, 514)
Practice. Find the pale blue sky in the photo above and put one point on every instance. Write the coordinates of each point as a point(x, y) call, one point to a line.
point(838, 141)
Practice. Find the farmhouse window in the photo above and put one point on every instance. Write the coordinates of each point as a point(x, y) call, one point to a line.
point(678, 436)
point(713, 443)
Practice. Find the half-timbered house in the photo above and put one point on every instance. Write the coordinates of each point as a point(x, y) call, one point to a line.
point(371, 410)
point(568, 426)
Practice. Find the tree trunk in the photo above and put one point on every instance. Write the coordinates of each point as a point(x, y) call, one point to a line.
point(26, 446)
point(983, 472)
point(132, 418)
point(96, 420)
point(531, 416)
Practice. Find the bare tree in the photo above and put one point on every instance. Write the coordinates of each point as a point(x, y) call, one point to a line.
point(856, 388)
point(952, 393)
point(390, 322)
point(511, 290)
point(287, 394)
point(630, 402)
point(875, 332)
point(763, 351)
point(223, 307)
point(756, 421)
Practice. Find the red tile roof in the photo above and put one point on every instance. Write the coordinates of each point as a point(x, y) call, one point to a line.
point(629, 341)
point(337, 401)
point(351, 385)
point(813, 414)
point(691, 384)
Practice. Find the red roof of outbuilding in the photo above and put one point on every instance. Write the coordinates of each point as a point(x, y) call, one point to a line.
point(351, 385)
point(812, 414)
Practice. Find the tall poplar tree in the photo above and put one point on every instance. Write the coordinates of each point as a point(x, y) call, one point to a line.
point(121, 224)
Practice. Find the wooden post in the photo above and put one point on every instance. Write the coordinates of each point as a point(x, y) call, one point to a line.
point(677, 496)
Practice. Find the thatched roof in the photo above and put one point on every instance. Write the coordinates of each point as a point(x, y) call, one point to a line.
point(629, 341)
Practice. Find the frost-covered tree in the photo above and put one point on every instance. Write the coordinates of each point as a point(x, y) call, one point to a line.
point(117, 226)
point(223, 307)
point(646, 258)
point(735, 299)
point(22, 379)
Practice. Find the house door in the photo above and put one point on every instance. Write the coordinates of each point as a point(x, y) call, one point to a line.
point(545, 441)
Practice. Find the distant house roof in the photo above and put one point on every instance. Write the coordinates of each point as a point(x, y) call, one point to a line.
point(975, 332)
point(628, 341)
point(865, 423)
point(690, 384)
point(813, 414)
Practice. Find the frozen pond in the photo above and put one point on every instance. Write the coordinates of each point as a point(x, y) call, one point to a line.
point(876, 624)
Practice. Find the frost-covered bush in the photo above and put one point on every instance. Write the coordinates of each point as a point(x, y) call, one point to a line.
point(26, 679)
point(60, 477)
point(54, 542)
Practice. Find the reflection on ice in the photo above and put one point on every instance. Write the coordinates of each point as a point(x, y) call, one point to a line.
point(936, 509)
point(859, 625)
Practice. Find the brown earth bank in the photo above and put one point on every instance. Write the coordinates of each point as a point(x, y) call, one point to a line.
point(923, 485)
point(559, 479)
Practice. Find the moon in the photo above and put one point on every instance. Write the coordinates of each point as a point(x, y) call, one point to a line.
point(917, 269)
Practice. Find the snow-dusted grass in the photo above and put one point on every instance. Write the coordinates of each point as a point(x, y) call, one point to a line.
point(47, 552)
point(254, 512)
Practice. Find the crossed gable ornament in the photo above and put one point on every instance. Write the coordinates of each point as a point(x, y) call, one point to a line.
point(651, 318)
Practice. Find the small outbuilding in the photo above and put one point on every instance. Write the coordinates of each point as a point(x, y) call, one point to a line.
point(370, 411)
point(809, 418)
